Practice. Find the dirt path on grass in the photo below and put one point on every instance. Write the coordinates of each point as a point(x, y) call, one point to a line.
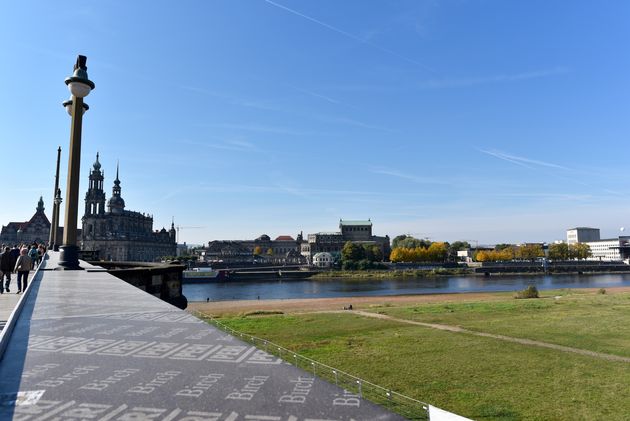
point(450, 328)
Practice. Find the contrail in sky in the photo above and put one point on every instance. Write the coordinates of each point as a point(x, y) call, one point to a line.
point(351, 36)
point(519, 160)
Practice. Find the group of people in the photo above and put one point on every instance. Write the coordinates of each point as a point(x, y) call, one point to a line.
point(20, 260)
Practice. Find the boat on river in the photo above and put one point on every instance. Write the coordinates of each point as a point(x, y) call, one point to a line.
point(202, 275)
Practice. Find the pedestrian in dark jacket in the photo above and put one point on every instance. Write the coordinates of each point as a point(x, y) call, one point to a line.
point(34, 254)
point(23, 266)
point(7, 263)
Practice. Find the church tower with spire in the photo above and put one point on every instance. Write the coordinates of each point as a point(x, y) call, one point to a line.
point(116, 204)
point(95, 196)
point(116, 233)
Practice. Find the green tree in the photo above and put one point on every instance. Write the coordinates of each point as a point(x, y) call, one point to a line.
point(372, 253)
point(407, 241)
point(503, 246)
point(377, 253)
point(559, 251)
point(352, 252)
point(396, 241)
point(580, 251)
point(455, 247)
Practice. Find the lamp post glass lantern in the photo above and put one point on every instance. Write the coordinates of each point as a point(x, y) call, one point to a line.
point(80, 86)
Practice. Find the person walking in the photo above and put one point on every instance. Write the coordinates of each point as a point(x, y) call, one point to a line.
point(23, 266)
point(15, 252)
point(33, 254)
point(7, 263)
point(1, 272)
point(41, 252)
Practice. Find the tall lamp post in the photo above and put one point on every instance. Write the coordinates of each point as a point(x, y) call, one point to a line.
point(55, 211)
point(80, 87)
point(57, 206)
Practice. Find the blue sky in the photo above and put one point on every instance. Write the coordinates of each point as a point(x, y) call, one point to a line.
point(490, 121)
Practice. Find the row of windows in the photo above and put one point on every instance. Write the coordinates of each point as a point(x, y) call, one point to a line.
point(356, 228)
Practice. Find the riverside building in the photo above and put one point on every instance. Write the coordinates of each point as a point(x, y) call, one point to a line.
point(284, 249)
point(356, 231)
point(582, 235)
point(116, 233)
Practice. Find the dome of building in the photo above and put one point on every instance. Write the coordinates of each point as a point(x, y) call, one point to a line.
point(97, 164)
point(116, 203)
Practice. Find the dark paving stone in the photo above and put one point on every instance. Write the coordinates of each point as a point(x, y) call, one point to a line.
point(88, 346)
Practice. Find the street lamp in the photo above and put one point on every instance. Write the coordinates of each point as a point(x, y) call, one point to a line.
point(57, 202)
point(55, 212)
point(80, 87)
point(68, 106)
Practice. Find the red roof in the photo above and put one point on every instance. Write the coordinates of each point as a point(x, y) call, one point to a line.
point(285, 238)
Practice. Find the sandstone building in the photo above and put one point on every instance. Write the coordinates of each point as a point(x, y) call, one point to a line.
point(284, 249)
point(359, 232)
point(119, 234)
point(35, 230)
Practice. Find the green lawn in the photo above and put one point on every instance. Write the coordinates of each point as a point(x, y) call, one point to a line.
point(481, 378)
point(582, 320)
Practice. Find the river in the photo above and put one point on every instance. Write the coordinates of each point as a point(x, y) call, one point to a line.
point(338, 287)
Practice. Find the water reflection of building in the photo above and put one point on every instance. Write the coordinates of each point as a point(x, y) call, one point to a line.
point(36, 229)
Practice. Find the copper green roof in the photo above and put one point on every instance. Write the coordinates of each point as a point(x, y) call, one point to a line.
point(342, 222)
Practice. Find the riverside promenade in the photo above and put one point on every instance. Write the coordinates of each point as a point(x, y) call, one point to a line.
point(88, 346)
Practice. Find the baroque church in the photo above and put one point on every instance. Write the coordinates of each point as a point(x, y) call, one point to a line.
point(116, 233)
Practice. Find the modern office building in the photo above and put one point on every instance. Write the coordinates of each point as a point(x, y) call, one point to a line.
point(582, 235)
point(610, 249)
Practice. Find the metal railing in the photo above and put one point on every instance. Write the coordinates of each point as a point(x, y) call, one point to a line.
point(355, 387)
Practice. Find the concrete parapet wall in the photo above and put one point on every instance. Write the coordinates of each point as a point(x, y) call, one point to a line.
point(159, 279)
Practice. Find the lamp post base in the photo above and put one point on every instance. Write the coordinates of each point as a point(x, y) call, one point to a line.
point(69, 258)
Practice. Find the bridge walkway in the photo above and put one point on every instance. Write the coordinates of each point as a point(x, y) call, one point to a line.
point(88, 346)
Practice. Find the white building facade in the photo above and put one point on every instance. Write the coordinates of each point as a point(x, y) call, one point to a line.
point(323, 260)
point(605, 250)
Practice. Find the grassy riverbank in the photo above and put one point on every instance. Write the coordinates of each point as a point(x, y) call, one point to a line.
point(476, 376)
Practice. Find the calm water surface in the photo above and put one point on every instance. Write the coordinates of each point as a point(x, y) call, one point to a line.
point(326, 288)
